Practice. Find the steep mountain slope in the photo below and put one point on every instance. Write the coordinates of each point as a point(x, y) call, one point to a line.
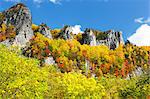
point(88, 51)
point(62, 63)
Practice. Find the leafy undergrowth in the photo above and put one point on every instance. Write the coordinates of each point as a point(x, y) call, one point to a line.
point(22, 77)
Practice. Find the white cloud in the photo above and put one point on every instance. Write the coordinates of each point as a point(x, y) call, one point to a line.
point(142, 21)
point(147, 21)
point(76, 29)
point(55, 1)
point(139, 20)
point(142, 36)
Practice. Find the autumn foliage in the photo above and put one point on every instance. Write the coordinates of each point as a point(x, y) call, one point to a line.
point(70, 55)
point(6, 32)
point(78, 68)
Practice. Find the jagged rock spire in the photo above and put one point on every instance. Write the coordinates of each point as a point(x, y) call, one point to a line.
point(20, 17)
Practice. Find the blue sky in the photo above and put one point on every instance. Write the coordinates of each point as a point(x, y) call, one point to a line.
point(123, 15)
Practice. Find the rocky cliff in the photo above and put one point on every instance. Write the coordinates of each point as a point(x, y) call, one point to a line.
point(110, 38)
point(92, 37)
point(45, 30)
point(20, 17)
point(66, 33)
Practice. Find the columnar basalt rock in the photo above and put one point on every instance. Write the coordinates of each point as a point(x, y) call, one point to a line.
point(20, 17)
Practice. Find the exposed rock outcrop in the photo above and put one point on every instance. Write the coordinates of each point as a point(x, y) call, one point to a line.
point(66, 33)
point(109, 38)
point(44, 29)
point(139, 71)
point(20, 17)
point(113, 39)
point(88, 37)
point(49, 61)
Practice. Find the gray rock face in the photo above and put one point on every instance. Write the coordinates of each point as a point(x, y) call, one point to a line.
point(66, 33)
point(113, 39)
point(89, 38)
point(110, 38)
point(20, 17)
point(49, 61)
point(43, 29)
point(137, 72)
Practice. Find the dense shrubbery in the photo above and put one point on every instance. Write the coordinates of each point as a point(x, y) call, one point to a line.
point(70, 55)
point(55, 33)
point(6, 32)
point(137, 87)
point(22, 77)
point(136, 57)
point(74, 85)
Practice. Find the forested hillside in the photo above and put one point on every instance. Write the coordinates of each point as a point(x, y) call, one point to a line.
point(39, 62)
